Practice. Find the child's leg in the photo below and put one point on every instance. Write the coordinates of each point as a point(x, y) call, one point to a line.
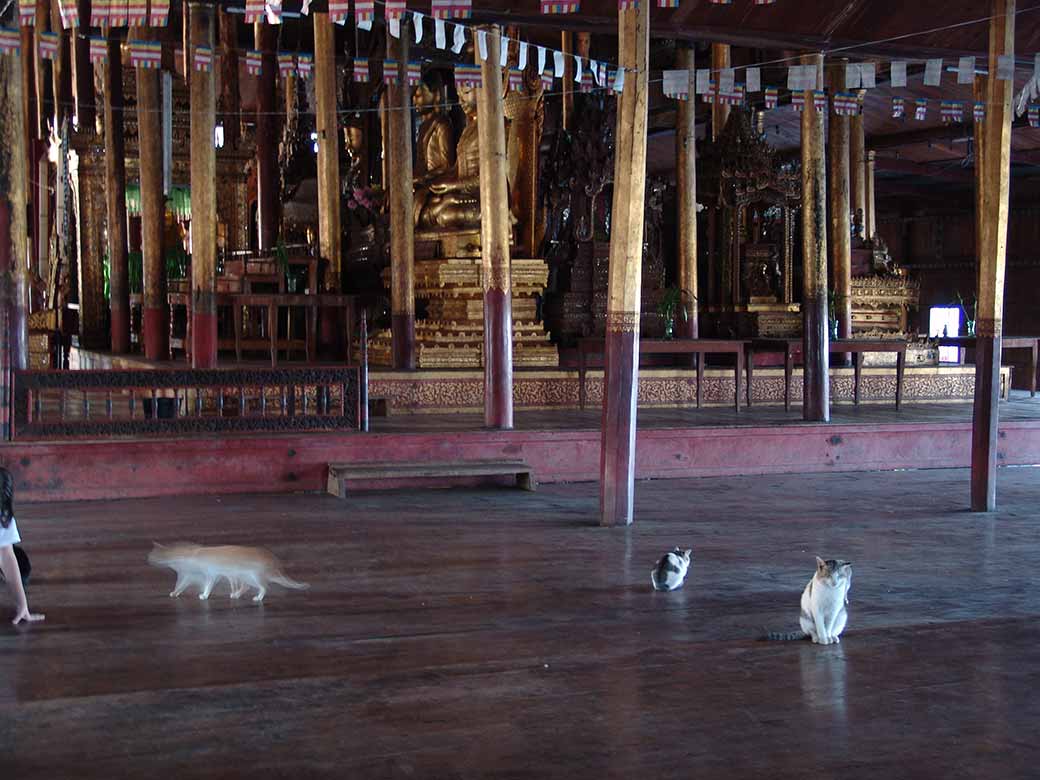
point(9, 566)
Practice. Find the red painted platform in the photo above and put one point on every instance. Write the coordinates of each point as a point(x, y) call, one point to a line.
point(297, 462)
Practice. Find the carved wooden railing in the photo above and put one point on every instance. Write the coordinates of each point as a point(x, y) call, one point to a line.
point(74, 404)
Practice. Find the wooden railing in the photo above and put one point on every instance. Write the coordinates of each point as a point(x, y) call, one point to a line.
point(74, 404)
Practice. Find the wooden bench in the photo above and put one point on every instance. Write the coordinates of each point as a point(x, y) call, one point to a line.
point(341, 473)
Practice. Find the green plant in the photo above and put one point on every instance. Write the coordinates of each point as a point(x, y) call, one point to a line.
point(670, 303)
point(969, 319)
point(135, 271)
point(177, 262)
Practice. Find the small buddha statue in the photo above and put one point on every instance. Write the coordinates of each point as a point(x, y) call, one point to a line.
point(435, 141)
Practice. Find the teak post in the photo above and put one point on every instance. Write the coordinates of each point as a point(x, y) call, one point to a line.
point(840, 209)
point(203, 196)
point(567, 82)
point(857, 173)
point(402, 219)
point(815, 338)
point(686, 185)
point(720, 59)
point(265, 38)
point(994, 179)
point(870, 222)
point(115, 197)
point(621, 350)
point(155, 322)
point(328, 148)
point(495, 274)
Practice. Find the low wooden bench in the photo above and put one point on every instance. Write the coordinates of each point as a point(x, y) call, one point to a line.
point(341, 473)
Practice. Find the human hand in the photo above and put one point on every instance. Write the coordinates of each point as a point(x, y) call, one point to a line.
point(27, 616)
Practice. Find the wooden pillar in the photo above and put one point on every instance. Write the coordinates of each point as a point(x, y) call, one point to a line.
point(870, 223)
point(686, 186)
point(115, 197)
point(815, 336)
point(993, 182)
point(155, 321)
point(203, 102)
point(265, 37)
point(329, 237)
point(840, 211)
point(494, 240)
point(83, 72)
point(720, 58)
point(402, 219)
point(621, 352)
point(567, 83)
point(858, 173)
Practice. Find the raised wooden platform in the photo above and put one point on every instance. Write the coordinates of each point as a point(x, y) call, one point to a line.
point(442, 474)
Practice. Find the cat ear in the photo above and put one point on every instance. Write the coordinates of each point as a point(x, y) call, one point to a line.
point(689, 553)
point(820, 563)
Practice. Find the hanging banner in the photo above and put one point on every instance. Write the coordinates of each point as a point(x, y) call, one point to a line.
point(146, 54)
point(159, 13)
point(203, 59)
point(451, 9)
point(1034, 115)
point(254, 11)
point(979, 111)
point(364, 11)
point(10, 41)
point(482, 45)
point(667, 3)
point(304, 64)
point(49, 45)
point(98, 13)
point(753, 78)
point(516, 81)
point(414, 73)
point(966, 70)
point(734, 96)
point(619, 81)
point(468, 76)
point(819, 100)
point(286, 64)
point(798, 100)
point(898, 107)
point(721, 2)
point(69, 12)
point(547, 81)
point(853, 75)
point(898, 74)
point(708, 96)
point(273, 11)
point(390, 72)
point(1005, 67)
point(921, 109)
point(772, 97)
point(136, 12)
point(560, 6)
point(459, 41)
point(628, 5)
point(27, 13)
point(395, 10)
point(361, 70)
point(339, 10)
point(117, 13)
point(417, 26)
point(440, 34)
point(951, 111)
point(933, 73)
point(764, 2)
point(98, 50)
point(846, 104)
point(727, 78)
point(522, 56)
point(254, 62)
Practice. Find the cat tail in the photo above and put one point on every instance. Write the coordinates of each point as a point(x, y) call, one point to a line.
point(653, 579)
point(784, 636)
point(287, 582)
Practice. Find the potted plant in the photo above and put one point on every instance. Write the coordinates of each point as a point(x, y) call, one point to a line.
point(671, 303)
point(969, 319)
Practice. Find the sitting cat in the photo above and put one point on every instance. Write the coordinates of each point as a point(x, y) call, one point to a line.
point(671, 570)
point(824, 600)
point(242, 567)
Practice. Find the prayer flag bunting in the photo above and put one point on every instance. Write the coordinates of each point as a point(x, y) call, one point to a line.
point(203, 59)
point(1005, 67)
point(440, 33)
point(254, 11)
point(459, 39)
point(846, 104)
point(159, 13)
point(395, 9)
point(933, 72)
point(364, 10)
point(254, 62)
point(98, 50)
point(667, 3)
point(733, 96)
point(547, 81)
point(951, 111)
point(468, 76)
point(10, 41)
point(136, 12)
point(819, 100)
point(287, 64)
point(618, 80)
point(764, 2)
point(586, 81)
point(339, 10)
point(867, 75)
point(1034, 115)
point(898, 107)
point(452, 9)
point(99, 13)
point(273, 11)
point(560, 6)
point(708, 96)
point(146, 54)
point(979, 111)
point(727, 78)
point(721, 2)
point(628, 5)
point(49, 45)
point(390, 72)
point(361, 70)
point(305, 64)
point(921, 109)
point(753, 77)
point(798, 101)
point(772, 97)
point(27, 13)
point(117, 13)
point(898, 74)
point(69, 12)
point(516, 80)
point(966, 70)
point(677, 84)
point(414, 73)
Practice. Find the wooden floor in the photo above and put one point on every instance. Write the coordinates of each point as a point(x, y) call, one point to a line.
point(500, 634)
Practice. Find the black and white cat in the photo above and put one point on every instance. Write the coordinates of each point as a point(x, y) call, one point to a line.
point(671, 570)
point(824, 603)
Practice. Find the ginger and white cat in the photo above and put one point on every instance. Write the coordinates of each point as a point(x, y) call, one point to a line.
point(670, 571)
point(824, 599)
point(204, 567)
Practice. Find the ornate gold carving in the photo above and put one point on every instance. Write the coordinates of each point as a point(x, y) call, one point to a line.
point(496, 278)
point(988, 328)
point(622, 322)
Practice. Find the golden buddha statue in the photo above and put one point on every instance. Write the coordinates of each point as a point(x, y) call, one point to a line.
point(448, 196)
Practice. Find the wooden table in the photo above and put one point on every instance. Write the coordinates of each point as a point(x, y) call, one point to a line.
point(856, 346)
point(1030, 343)
point(699, 347)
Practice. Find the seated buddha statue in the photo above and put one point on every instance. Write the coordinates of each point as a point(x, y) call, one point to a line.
point(435, 141)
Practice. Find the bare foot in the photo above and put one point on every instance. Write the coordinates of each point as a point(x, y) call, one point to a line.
point(27, 616)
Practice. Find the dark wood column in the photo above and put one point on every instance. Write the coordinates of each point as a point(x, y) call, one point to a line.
point(268, 205)
point(858, 171)
point(686, 186)
point(329, 236)
point(621, 352)
point(720, 58)
point(494, 241)
point(203, 102)
point(993, 177)
point(83, 71)
point(567, 82)
point(115, 195)
point(402, 219)
point(840, 208)
point(815, 338)
point(870, 223)
point(155, 321)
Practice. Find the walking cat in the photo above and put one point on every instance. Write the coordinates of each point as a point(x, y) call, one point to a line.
point(671, 570)
point(242, 567)
point(824, 599)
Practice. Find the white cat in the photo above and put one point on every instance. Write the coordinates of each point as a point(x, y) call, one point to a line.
point(824, 599)
point(242, 567)
point(671, 570)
